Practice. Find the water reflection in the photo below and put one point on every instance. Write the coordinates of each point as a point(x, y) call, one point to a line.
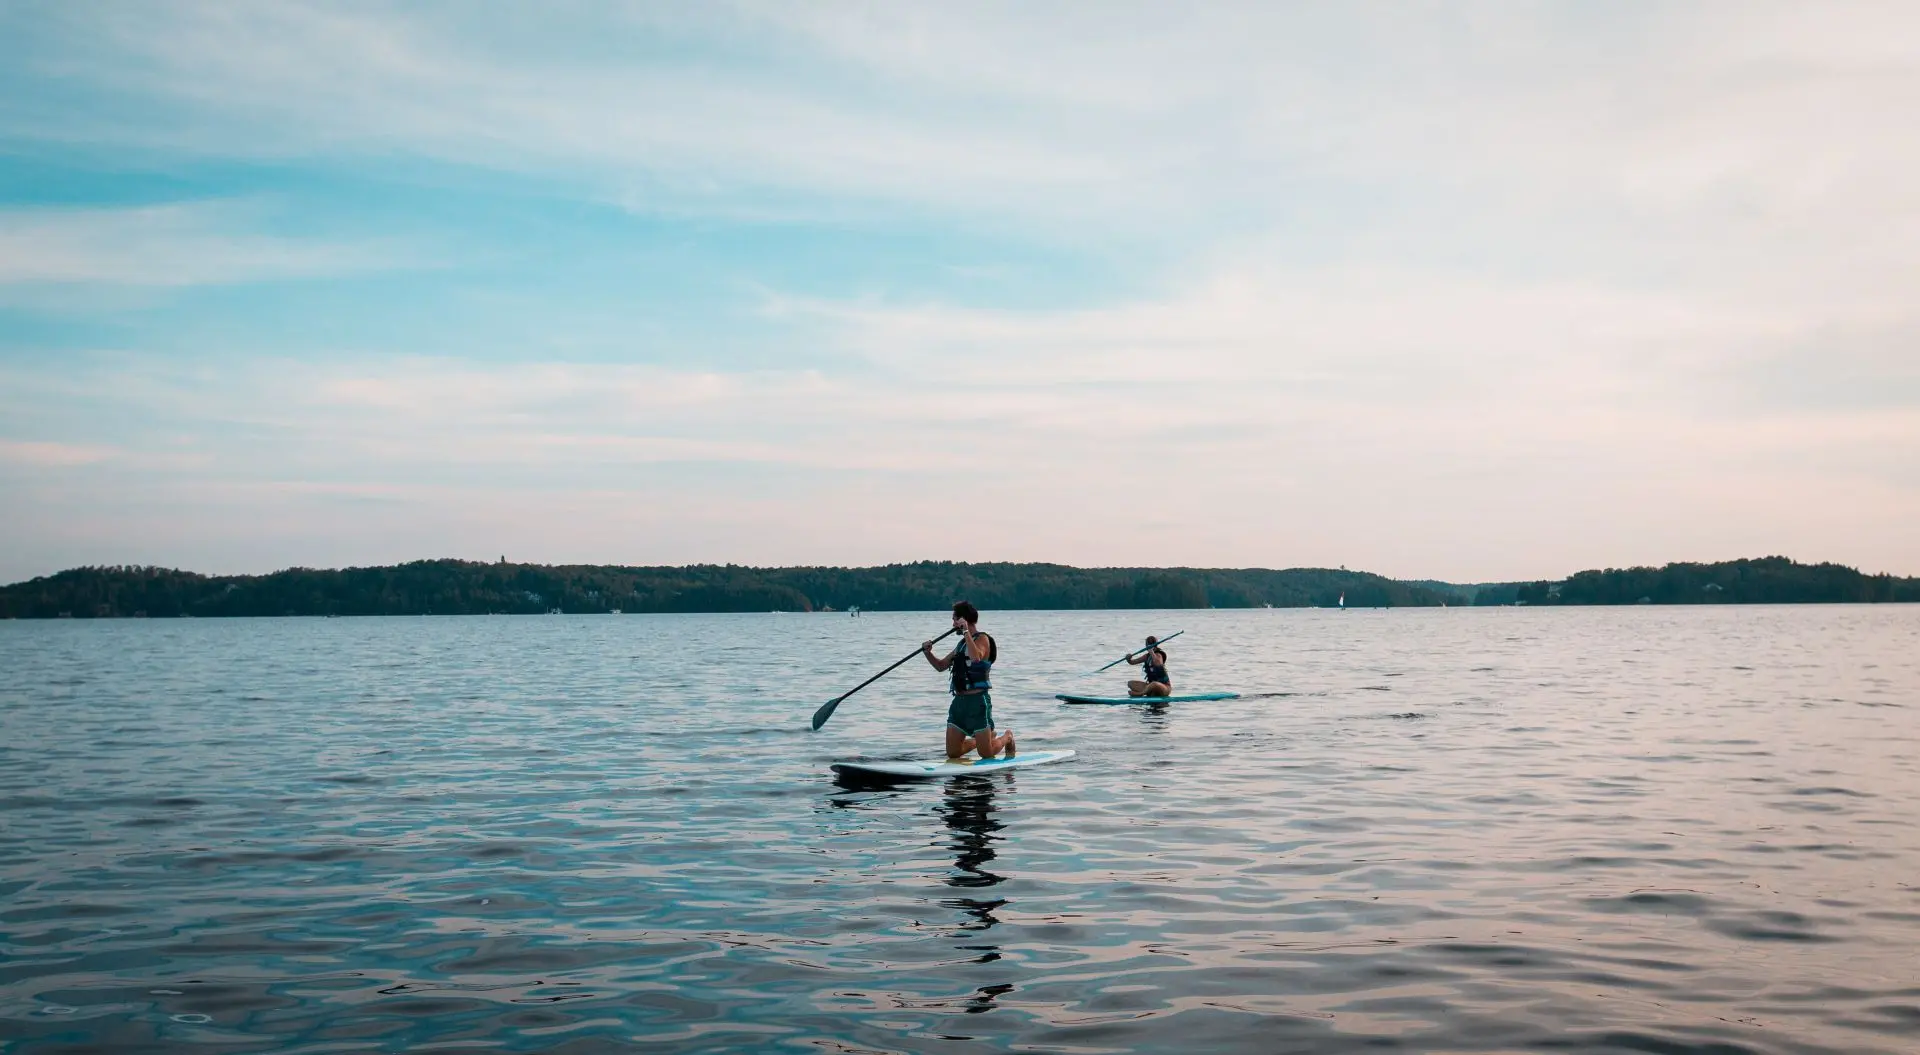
point(969, 809)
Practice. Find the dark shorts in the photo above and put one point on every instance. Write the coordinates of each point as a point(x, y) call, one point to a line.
point(971, 714)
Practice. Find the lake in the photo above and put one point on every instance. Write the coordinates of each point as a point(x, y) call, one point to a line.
point(1666, 830)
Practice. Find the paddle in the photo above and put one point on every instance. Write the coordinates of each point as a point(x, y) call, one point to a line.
point(1130, 655)
point(826, 709)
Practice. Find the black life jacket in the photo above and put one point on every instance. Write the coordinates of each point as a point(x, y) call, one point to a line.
point(973, 675)
point(1155, 667)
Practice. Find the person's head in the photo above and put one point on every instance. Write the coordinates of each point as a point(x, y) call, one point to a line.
point(1152, 641)
point(965, 610)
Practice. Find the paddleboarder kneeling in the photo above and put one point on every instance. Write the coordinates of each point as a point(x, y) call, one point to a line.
point(970, 715)
point(1154, 680)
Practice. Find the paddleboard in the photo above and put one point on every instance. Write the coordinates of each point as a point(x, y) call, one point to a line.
point(950, 767)
point(1191, 697)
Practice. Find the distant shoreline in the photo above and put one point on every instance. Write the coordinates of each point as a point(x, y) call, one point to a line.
point(455, 587)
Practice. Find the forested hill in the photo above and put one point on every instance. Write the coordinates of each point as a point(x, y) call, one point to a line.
point(1768, 580)
point(452, 587)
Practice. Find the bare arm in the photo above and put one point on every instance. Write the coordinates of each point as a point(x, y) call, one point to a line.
point(937, 662)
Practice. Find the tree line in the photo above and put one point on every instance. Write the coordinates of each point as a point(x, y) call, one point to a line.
point(1767, 580)
point(456, 587)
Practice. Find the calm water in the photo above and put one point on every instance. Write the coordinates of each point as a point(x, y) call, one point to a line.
point(1669, 831)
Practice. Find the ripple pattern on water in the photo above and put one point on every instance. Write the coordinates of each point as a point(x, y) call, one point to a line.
point(1603, 830)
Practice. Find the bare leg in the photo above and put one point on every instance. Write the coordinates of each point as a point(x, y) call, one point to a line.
point(1137, 688)
point(958, 743)
point(1158, 688)
point(992, 743)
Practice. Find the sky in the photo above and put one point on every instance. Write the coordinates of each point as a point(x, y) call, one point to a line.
point(1471, 291)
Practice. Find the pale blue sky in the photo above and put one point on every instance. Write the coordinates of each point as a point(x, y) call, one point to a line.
point(1472, 291)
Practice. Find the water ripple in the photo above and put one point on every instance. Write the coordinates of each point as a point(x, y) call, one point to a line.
point(1664, 831)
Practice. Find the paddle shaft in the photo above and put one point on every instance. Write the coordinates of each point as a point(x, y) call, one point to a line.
point(1130, 655)
point(826, 710)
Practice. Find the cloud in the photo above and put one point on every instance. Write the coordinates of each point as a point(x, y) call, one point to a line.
point(44, 455)
point(167, 245)
point(1469, 291)
point(1107, 114)
point(1752, 145)
point(1313, 435)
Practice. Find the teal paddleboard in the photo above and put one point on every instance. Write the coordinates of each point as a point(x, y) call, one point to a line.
point(1191, 697)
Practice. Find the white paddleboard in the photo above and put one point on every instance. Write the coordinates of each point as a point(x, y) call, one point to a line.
point(1191, 697)
point(951, 767)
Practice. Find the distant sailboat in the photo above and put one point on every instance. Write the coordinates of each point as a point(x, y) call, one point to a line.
point(1343, 600)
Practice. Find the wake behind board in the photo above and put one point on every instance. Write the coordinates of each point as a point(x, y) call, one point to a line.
point(884, 770)
point(1191, 697)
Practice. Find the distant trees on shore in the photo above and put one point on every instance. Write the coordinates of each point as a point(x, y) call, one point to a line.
point(1768, 580)
point(454, 587)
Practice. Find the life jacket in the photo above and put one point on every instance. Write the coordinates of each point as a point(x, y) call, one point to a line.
point(1155, 667)
point(973, 675)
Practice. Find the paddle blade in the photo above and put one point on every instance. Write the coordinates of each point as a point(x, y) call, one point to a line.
point(825, 712)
